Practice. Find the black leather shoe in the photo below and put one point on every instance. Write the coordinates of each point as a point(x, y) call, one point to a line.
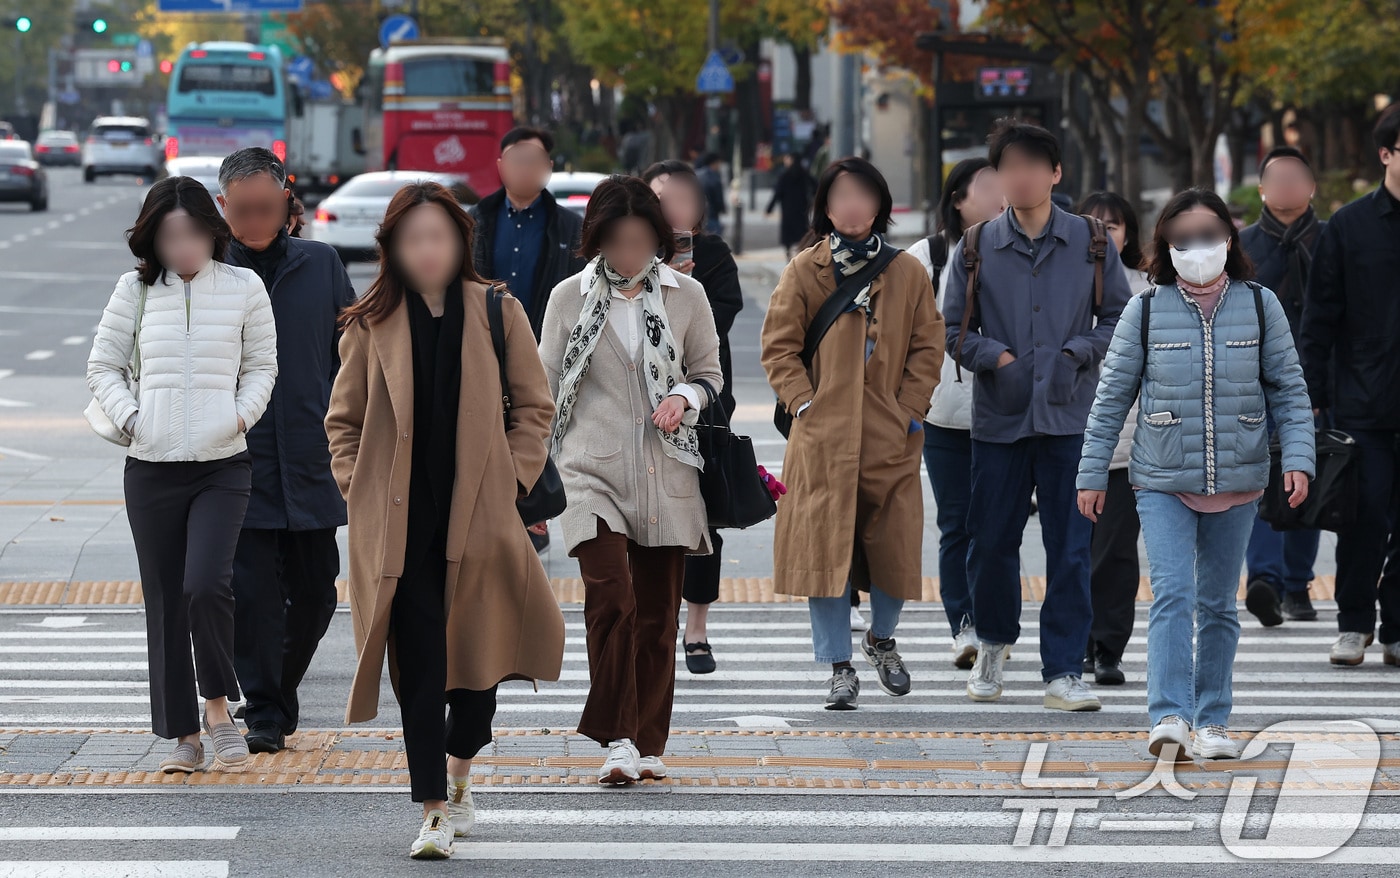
point(1261, 599)
point(1106, 669)
point(1089, 660)
point(703, 662)
point(1297, 607)
point(265, 739)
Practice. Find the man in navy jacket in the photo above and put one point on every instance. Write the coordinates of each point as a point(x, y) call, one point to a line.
point(287, 559)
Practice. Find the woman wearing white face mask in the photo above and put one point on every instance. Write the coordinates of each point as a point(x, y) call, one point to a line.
point(1205, 352)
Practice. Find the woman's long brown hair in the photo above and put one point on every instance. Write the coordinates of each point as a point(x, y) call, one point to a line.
point(388, 289)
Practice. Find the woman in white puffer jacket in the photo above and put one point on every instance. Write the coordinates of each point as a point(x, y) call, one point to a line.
point(207, 356)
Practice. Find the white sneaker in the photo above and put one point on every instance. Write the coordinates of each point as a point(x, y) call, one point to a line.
point(460, 808)
point(857, 620)
point(651, 768)
point(1070, 692)
point(621, 766)
point(1350, 648)
point(434, 840)
point(985, 682)
point(1391, 653)
point(1213, 742)
point(1171, 731)
point(965, 648)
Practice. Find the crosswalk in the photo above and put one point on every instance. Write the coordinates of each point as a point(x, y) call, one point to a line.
point(62, 844)
point(93, 675)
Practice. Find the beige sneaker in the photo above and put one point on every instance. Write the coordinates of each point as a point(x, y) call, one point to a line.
point(460, 808)
point(187, 758)
point(1350, 648)
point(434, 841)
point(651, 768)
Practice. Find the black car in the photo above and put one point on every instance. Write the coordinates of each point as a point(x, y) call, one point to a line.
point(22, 178)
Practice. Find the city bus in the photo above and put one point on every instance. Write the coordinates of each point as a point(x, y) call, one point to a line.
point(225, 96)
point(438, 105)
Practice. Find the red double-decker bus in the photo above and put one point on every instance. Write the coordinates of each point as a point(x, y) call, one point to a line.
point(439, 105)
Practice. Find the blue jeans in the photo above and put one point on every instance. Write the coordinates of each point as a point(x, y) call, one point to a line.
point(1194, 559)
point(948, 456)
point(1003, 477)
point(1284, 559)
point(831, 622)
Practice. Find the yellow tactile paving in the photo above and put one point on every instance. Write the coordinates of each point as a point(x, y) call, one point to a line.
point(742, 590)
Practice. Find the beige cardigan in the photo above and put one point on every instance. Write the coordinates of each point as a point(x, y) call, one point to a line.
point(611, 458)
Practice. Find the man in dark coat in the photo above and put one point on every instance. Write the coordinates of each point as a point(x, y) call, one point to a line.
point(793, 192)
point(287, 559)
point(524, 239)
point(1351, 358)
point(1280, 244)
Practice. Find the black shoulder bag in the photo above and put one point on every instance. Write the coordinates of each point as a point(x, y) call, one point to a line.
point(834, 306)
point(546, 499)
point(734, 493)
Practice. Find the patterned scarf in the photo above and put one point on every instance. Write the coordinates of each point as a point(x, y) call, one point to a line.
point(851, 256)
point(662, 362)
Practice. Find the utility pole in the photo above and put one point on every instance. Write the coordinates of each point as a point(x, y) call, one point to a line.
point(843, 123)
point(712, 102)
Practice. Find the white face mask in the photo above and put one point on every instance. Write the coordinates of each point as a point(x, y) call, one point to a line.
point(1200, 265)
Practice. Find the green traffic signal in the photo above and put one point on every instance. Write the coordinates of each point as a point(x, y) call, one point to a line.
point(23, 24)
point(99, 25)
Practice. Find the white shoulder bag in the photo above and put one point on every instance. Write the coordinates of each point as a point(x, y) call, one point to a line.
point(96, 417)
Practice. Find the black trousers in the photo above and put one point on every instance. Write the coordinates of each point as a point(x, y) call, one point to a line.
point(702, 573)
point(185, 519)
point(1362, 547)
point(284, 586)
point(1113, 567)
point(418, 638)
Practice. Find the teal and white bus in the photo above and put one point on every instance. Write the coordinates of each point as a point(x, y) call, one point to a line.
point(225, 96)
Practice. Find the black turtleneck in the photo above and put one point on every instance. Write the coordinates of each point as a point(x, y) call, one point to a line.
point(264, 262)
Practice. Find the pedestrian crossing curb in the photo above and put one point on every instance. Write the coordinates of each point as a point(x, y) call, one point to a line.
point(736, 590)
point(361, 758)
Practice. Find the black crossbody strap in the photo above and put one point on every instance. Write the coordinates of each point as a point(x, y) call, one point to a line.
point(837, 303)
point(1259, 310)
point(495, 318)
point(1146, 316)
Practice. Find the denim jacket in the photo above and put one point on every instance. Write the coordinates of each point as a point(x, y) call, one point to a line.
point(1201, 427)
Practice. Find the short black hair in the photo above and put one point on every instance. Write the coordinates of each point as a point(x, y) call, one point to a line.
point(1387, 128)
point(708, 159)
point(1160, 268)
point(1112, 206)
point(165, 196)
point(679, 172)
point(950, 221)
point(618, 197)
point(1283, 152)
point(1032, 139)
point(666, 167)
point(523, 133)
point(868, 176)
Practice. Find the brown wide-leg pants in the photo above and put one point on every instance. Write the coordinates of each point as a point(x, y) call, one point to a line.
point(632, 598)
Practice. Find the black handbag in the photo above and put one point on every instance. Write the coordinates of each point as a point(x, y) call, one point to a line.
point(1332, 496)
point(834, 306)
point(735, 496)
point(546, 499)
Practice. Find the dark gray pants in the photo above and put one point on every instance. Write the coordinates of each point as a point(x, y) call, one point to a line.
point(185, 519)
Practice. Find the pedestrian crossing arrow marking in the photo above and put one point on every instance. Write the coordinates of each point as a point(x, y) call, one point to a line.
point(63, 622)
point(760, 722)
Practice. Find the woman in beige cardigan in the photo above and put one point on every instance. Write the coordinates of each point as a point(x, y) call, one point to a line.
point(620, 342)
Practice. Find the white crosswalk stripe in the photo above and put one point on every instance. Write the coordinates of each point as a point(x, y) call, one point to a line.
point(95, 676)
point(31, 840)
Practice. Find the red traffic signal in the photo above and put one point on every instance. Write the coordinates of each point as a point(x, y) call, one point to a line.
point(167, 66)
point(114, 66)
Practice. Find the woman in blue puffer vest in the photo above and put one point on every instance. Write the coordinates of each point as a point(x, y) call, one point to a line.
point(1208, 354)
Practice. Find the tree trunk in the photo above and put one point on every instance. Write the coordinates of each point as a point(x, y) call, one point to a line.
point(802, 94)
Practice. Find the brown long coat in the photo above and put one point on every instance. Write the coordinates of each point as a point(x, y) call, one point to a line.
point(852, 466)
point(503, 621)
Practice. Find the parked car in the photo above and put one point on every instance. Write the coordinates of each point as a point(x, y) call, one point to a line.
point(120, 145)
point(573, 189)
point(58, 148)
point(203, 168)
point(349, 217)
point(21, 177)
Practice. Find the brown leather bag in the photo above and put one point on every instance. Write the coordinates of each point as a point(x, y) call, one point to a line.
point(972, 261)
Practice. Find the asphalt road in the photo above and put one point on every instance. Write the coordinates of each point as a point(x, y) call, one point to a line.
point(84, 668)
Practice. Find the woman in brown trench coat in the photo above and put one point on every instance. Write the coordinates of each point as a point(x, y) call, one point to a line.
point(442, 576)
point(854, 513)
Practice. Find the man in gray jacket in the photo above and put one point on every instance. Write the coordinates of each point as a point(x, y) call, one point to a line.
point(1032, 339)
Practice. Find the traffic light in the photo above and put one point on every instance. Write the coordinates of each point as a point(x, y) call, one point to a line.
point(118, 65)
point(167, 66)
point(99, 25)
point(23, 24)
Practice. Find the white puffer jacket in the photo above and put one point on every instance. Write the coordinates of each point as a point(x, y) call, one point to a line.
point(199, 374)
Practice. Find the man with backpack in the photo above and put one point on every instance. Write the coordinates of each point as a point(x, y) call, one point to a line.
point(1032, 300)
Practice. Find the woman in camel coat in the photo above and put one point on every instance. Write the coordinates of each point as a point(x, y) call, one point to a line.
point(443, 578)
point(854, 512)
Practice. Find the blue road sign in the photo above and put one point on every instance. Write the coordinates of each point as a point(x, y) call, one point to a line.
point(143, 49)
point(714, 77)
point(397, 27)
point(320, 90)
point(226, 6)
point(301, 68)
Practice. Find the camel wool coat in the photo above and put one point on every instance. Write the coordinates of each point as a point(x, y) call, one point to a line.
point(852, 462)
point(503, 621)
